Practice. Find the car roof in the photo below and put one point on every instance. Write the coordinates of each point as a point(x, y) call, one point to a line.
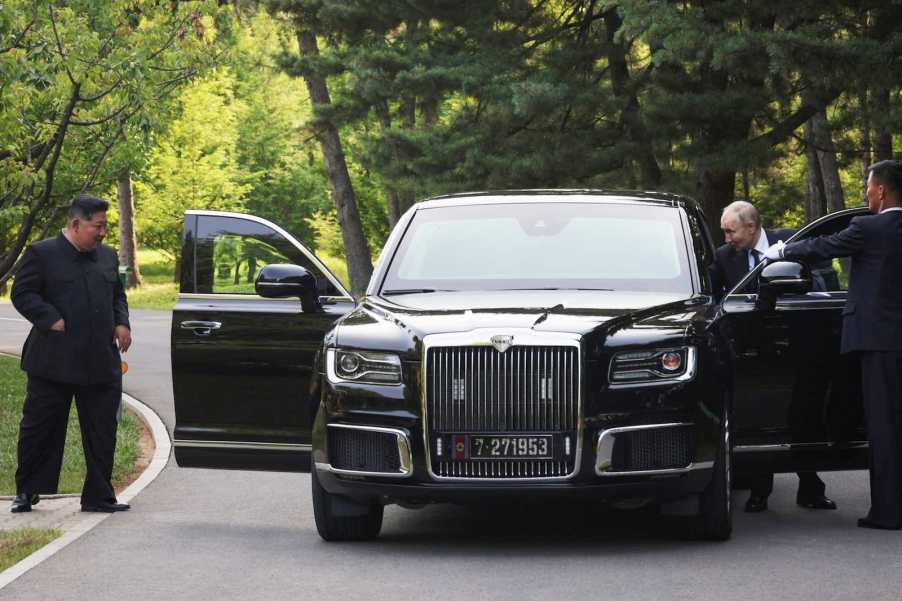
point(630, 197)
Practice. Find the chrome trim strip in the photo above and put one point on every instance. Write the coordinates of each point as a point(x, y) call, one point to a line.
point(234, 444)
point(688, 376)
point(789, 446)
point(404, 453)
point(325, 270)
point(482, 337)
point(605, 451)
point(255, 297)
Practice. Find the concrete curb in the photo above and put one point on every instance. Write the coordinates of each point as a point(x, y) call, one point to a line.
point(86, 521)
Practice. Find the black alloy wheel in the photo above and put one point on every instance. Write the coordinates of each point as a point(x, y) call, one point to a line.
point(341, 519)
point(716, 519)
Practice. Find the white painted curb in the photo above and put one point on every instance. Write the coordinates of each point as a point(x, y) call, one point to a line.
point(86, 521)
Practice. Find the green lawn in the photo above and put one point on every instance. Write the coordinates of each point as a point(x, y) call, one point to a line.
point(16, 545)
point(12, 395)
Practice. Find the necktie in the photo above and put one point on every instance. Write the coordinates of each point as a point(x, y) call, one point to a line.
point(756, 257)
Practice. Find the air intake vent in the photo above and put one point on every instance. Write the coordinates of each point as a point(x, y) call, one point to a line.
point(653, 449)
point(364, 451)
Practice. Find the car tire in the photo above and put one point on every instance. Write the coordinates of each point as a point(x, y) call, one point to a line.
point(716, 519)
point(341, 519)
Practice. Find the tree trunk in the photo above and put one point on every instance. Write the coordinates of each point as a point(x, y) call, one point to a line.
point(826, 156)
point(360, 266)
point(883, 138)
point(715, 189)
point(128, 245)
point(864, 134)
point(633, 125)
point(815, 200)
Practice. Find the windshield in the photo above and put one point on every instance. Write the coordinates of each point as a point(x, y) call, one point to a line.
point(541, 246)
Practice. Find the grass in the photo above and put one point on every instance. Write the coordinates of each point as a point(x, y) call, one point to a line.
point(12, 396)
point(16, 545)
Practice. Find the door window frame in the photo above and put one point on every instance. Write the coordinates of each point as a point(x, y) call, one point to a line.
point(198, 213)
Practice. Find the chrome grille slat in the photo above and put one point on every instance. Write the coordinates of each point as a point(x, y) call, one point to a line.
point(522, 390)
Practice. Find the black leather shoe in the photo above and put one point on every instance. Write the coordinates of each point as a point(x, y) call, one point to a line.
point(106, 507)
point(817, 502)
point(756, 504)
point(23, 502)
point(866, 523)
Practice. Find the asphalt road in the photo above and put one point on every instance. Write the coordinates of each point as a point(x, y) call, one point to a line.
point(202, 534)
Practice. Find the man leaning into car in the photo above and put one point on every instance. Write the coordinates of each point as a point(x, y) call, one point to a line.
point(746, 243)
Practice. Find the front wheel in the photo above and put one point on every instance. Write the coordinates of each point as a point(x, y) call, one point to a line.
point(716, 519)
point(341, 519)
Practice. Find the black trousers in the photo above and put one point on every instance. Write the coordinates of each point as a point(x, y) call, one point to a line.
point(881, 375)
point(42, 436)
point(810, 485)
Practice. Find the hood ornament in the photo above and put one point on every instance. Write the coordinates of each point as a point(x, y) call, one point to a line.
point(501, 342)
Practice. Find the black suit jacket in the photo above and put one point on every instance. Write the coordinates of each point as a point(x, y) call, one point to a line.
point(731, 265)
point(872, 317)
point(56, 281)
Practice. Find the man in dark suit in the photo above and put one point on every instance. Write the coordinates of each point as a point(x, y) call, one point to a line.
point(746, 243)
point(68, 288)
point(872, 327)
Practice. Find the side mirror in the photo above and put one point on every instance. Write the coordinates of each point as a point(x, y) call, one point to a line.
point(281, 280)
point(785, 277)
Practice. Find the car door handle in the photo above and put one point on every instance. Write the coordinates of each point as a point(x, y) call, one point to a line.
point(201, 328)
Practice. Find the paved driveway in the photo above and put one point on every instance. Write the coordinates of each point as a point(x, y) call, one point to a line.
point(202, 534)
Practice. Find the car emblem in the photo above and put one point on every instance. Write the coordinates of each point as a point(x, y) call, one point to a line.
point(501, 343)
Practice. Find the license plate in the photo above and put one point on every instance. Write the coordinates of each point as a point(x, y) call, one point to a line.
point(507, 447)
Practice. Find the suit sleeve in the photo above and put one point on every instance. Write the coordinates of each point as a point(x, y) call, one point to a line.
point(718, 277)
point(27, 291)
point(846, 243)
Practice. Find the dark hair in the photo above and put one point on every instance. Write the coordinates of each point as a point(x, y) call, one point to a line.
point(890, 175)
point(84, 206)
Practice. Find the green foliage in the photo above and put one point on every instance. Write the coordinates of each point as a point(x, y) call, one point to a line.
point(82, 85)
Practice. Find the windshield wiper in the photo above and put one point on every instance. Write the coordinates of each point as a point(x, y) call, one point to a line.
point(412, 291)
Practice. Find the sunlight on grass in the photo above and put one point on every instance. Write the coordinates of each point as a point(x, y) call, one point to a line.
point(16, 545)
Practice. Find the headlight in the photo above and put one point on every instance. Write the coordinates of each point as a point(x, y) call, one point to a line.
point(363, 366)
point(653, 366)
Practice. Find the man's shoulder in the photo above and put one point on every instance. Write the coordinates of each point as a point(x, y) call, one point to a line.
point(773, 235)
point(724, 251)
point(47, 245)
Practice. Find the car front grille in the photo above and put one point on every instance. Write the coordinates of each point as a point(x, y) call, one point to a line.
point(653, 449)
point(364, 451)
point(525, 389)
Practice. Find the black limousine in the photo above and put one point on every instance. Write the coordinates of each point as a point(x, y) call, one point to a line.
point(513, 343)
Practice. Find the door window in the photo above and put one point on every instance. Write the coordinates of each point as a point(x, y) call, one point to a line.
point(232, 250)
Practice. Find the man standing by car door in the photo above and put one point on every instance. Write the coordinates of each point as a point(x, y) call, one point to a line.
point(746, 243)
point(872, 327)
point(68, 288)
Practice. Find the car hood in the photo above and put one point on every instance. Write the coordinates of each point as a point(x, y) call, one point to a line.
point(400, 322)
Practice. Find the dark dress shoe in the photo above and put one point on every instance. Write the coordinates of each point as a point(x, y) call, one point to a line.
point(866, 523)
point(816, 502)
point(106, 507)
point(755, 504)
point(23, 502)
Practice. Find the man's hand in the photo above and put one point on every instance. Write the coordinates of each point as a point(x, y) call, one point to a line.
point(123, 338)
point(58, 326)
point(775, 251)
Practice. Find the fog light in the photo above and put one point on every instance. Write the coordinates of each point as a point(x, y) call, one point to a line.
point(671, 361)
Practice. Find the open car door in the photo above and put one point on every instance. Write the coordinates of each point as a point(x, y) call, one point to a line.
point(243, 366)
